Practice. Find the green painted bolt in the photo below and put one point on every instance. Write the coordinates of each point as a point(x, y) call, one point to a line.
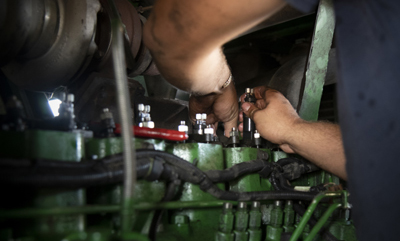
point(289, 216)
point(225, 224)
point(274, 229)
point(241, 222)
point(255, 222)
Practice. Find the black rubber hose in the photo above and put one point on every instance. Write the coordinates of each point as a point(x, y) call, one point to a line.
point(190, 173)
point(326, 235)
point(105, 171)
point(237, 170)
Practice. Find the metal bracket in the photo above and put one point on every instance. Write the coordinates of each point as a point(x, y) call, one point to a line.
point(317, 63)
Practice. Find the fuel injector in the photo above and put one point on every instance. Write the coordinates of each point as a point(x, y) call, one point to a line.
point(248, 124)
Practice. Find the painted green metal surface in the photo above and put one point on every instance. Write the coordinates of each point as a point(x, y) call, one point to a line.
point(202, 224)
point(249, 183)
point(317, 61)
point(310, 210)
point(54, 145)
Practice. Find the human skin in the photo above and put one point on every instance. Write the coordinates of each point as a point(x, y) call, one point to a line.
point(185, 39)
point(277, 121)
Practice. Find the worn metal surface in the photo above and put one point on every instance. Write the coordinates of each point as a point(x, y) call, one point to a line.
point(201, 224)
point(63, 32)
point(53, 145)
point(317, 63)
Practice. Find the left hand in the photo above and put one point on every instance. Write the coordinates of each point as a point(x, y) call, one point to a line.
point(218, 107)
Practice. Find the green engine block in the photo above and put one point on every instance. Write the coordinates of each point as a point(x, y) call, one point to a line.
point(94, 213)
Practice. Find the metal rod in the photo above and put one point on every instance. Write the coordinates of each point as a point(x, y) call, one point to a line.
point(39, 212)
point(125, 113)
point(310, 210)
point(322, 221)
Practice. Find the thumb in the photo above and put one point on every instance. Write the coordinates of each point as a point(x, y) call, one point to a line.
point(249, 109)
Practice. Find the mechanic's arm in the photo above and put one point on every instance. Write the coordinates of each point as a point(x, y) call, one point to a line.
point(278, 122)
point(185, 39)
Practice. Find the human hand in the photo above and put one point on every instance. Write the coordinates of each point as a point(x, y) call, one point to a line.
point(273, 116)
point(219, 107)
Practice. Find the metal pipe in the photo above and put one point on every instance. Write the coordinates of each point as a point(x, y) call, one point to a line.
point(40, 212)
point(125, 112)
point(322, 221)
point(310, 210)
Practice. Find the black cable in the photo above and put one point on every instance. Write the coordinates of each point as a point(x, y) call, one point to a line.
point(237, 170)
point(110, 170)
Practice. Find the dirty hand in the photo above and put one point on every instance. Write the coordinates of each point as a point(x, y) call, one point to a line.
point(273, 116)
point(219, 107)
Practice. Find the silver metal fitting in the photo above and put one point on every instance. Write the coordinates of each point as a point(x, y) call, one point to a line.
point(144, 115)
point(278, 203)
point(256, 135)
point(242, 205)
point(255, 205)
point(209, 130)
point(183, 127)
point(228, 206)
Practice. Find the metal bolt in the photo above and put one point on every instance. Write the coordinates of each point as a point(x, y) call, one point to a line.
point(71, 98)
point(289, 203)
point(105, 110)
point(242, 205)
point(278, 203)
point(198, 116)
point(228, 206)
point(147, 108)
point(256, 134)
point(140, 107)
point(255, 205)
point(183, 122)
point(248, 90)
point(233, 132)
point(204, 116)
point(209, 130)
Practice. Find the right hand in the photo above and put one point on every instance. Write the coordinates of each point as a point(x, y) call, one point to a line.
point(273, 116)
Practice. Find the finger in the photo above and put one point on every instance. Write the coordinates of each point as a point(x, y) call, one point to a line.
point(241, 116)
point(229, 125)
point(211, 118)
point(259, 92)
point(242, 97)
point(240, 127)
point(249, 109)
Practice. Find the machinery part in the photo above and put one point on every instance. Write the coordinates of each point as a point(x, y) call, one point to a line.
point(144, 116)
point(248, 124)
point(44, 56)
point(274, 229)
point(234, 138)
point(317, 62)
point(107, 120)
point(310, 210)
point(288, 218)
point(164, 134)
point(183, 127)
point(287, 79)
point(254, 230)
point(225, 224)
point(241, 222)
point(317, 227)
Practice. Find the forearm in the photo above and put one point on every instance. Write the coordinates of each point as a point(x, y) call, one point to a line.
point(185, 38)
point(321, 143)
